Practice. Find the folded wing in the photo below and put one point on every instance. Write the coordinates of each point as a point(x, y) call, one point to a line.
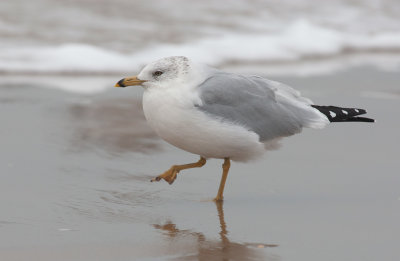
point(270, 109)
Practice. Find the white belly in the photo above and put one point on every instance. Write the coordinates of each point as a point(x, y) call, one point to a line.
point(177, 121)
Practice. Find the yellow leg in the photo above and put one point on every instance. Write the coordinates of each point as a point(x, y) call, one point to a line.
point(170, 175)
point(225, 168)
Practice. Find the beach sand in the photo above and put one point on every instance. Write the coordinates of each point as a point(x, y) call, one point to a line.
point(75, 174)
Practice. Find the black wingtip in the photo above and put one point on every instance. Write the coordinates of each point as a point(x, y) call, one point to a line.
point(360, 119)
point(338, 114)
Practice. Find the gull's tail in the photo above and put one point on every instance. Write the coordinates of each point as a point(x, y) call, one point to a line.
point(337, 114)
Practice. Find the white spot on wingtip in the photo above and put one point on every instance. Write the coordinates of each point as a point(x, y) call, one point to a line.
point(345, 112)
point(64, 229)
point(333, 115)
point(356, 110)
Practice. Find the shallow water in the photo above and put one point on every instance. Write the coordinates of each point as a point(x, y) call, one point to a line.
point(75, 171)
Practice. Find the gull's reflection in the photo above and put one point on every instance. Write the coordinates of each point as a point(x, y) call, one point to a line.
point(113, 125)
point(198, 247)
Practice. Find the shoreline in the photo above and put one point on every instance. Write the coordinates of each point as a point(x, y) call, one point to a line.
point(307, 66)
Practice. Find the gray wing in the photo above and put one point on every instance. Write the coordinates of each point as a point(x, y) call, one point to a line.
point(268, 108)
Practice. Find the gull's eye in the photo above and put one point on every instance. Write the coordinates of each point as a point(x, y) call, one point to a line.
point(157, 73)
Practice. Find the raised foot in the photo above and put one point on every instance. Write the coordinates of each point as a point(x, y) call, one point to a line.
point(169, 176)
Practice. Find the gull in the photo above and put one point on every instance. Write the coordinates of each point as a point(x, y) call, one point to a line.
point(222, 115)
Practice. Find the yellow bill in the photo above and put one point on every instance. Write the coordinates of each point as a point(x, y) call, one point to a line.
point(129, 81)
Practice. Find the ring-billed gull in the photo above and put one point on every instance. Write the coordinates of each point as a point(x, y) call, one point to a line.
point(222, 115)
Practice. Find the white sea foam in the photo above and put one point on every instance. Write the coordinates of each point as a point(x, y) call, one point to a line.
point(255, 37)
point(302, 40)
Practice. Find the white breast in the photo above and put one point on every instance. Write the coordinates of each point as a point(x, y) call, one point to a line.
point(172, 114)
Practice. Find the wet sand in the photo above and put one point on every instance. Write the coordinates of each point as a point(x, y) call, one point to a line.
point(75, 171)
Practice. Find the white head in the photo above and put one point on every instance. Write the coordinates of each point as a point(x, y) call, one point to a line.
point(166, 72)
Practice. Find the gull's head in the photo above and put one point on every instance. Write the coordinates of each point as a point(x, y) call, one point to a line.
point(164, 73)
